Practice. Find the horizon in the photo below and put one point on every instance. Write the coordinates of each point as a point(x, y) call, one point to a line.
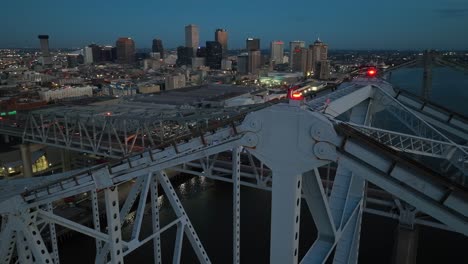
point(399, 25)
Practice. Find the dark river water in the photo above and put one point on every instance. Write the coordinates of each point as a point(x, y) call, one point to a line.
point(209, 206)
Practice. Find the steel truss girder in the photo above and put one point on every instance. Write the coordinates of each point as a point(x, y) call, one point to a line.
point(111, 134)
point(436, 115)
point(445, 201)
point(455, 154)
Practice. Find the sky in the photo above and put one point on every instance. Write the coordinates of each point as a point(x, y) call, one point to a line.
point(342, 24)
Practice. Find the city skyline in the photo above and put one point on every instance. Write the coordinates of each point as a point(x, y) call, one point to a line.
point(369, 25)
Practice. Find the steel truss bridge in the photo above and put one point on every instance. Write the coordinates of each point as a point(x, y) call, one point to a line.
point(338, 153)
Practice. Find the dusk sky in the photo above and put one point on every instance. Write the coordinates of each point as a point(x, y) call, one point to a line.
point(364, 24)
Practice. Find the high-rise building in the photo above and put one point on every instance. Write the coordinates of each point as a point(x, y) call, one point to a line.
point(72, 60)
point(254, 61)
point(320, 50)
point(323, 67)
point(125, 50)
point(201, 52)
point(299, 59)
point(214, 54)
point(320, 53)
point(277, 52)
point(252, 44)
point(294, 46)
point(184, 56)
point(46, 58)
point(191, 36)
point(221, 36)
point(158, 47)
point(243, 64)
point(88, 55)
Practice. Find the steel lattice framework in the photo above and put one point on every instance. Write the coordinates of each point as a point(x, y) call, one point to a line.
point(284, 148)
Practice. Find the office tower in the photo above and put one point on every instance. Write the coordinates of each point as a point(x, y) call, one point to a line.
point(107, 53)
point(243, 64)
point(214, 54)
point(201, 52)
point(323, 67)
point(88, 55)
point(158, 47)
point(254, 61)
point(184, 56)
point(72, 60)
point(320, 50)
point(96, 51)
point(125, 50)
point(221, 36)
point(252, 44)
point(191, 36)
point(277, 52)
point(319, 55)
point(294, 45)
point(44, 41)
point(299, 59)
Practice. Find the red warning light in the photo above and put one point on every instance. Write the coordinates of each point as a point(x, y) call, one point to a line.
point(293, 95)
point(371, 72)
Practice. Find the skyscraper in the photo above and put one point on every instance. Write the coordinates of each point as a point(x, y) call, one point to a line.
point(252, 44)
point(277, 52)
point(88, 55)
point(254, 61)
point(299, 59)
point(243, 64)
point(294, 45)
point(191, 36)
point(125, 50)
point(184, 56)
point(46, 58)
point(214, 54)
point(158, 47)
point(221, 36)
point(320, 53)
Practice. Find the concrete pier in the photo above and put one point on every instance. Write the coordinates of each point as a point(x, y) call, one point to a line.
point(26, 158)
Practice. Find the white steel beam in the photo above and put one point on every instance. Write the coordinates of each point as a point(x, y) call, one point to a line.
point(317, 202)
point(236, 204)
point(285, 217)
point(155, 219)
point(113, 225)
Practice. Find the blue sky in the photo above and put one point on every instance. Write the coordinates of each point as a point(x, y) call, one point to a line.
point(363, 24)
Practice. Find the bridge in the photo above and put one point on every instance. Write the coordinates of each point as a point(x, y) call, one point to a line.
point(330, 151)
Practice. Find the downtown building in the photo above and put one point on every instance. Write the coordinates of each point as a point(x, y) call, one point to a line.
point(157, 47)
point(192, 39)
point(318, 61)
point(221, 36)
point(125, 50)
point(214, 54)
point(295, 54)
point(277, 52)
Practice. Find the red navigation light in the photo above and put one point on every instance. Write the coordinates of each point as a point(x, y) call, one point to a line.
point(371, 72)
point(296, 96)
